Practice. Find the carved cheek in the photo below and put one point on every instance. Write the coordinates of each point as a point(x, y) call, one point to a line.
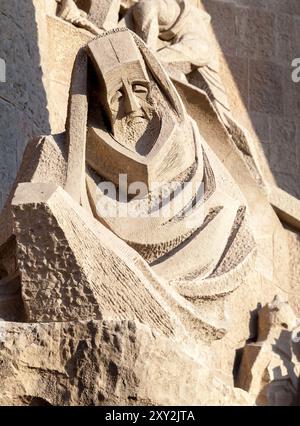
point(115, 109)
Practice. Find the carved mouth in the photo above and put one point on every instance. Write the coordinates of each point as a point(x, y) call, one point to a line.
point(135, 116)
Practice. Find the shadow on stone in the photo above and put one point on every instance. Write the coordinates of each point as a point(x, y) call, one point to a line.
point(23, 101)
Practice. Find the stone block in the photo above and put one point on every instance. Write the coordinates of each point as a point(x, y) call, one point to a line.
point(73, 278)
point(16, 129)
point(105, 13)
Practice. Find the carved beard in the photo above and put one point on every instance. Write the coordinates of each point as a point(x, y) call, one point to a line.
point(137, 130)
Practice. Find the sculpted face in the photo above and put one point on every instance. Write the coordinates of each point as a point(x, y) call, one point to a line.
point(127, 101)
point(127, 94)
point(127, 89)
point(136, 119)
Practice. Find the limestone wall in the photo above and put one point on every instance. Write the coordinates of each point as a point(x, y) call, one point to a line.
point(23, 99)
point(258, 40)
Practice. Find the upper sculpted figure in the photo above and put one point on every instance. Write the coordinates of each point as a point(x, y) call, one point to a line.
point(175, 29)
point(179, 34)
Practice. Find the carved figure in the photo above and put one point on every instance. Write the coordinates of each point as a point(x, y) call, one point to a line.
point(270, 367)
point(71, 13)
point(127, 241)
point(179, 32)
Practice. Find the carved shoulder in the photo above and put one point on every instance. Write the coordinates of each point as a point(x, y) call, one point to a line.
point(44, 160)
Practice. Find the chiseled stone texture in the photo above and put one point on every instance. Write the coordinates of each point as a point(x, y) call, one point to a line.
point(34, 99)
point(263, 38)
point(104, 363)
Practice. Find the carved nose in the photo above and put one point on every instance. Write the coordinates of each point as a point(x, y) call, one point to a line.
point(131, 102)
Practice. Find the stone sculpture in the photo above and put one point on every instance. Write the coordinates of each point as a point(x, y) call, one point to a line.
point(137, 126)
point(270, 366)
point(163, 145)
point(172, 28)
point(135, 247)
point(179, 32)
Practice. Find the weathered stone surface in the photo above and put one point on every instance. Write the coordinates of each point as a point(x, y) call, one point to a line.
point(22, 42)
point(294, 243)
point(287, 46)
point(104, 363)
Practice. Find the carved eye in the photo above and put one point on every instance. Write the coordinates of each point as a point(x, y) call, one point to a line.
point(117, 97)
point(140, 90)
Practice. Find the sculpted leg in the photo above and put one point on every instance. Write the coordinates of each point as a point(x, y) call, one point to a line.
point(71, 13)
